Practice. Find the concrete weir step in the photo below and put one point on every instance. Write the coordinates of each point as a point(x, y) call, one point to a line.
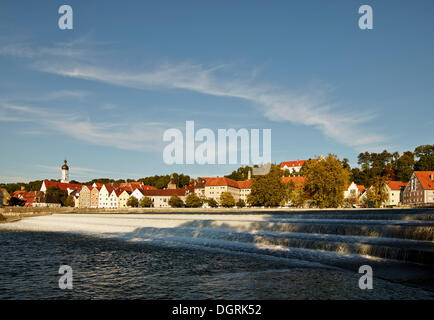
point(409, 229)
point(399, 249)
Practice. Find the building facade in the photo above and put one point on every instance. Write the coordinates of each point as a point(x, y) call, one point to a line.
point(420, 189)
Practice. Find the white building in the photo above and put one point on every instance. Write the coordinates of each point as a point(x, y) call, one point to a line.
point(353, 191)
point(395, 190)
point(104, 200)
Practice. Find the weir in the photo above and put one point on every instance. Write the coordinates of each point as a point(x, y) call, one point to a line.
point(333, 238)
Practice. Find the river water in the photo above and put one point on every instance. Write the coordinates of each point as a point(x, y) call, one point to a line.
point(308, 255)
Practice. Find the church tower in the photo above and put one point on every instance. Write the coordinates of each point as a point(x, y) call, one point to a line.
point(65, 173)
point(172, 184)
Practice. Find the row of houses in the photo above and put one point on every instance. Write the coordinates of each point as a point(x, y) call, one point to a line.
point(417, 192)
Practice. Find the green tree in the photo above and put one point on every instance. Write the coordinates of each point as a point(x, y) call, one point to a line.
point(132, 202)
point(70, 202)
point(267, 190)
point(56, 195)
point(297, 196)
point(212, 203)
point(175, 202)
point(240, 174)
point(404, 166)
point(325, 182)
point(240, 203)
point(145, 202)
point(192, 201)
point(227, 200)
point(425, 155)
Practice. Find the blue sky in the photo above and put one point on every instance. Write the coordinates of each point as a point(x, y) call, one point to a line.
point(102, 94)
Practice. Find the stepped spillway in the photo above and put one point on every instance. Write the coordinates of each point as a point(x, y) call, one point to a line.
point(397, 243)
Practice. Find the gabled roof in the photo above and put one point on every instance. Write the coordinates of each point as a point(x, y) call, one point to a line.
point(220, 181)
point(426, 178)
point(62, 186)
point(87, 187)
point(396, 185)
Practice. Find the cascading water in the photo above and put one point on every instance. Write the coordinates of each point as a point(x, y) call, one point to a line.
point(331, 238)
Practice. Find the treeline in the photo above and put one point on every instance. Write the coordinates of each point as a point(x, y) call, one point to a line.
point(392, 166)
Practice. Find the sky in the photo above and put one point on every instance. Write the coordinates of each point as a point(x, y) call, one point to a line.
point(102, 94)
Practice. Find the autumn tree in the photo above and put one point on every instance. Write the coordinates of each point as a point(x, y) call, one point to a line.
point(145, 202)
point(325, 182)
point(240, 203)
point(377, 194)
point(175, 202)
point(132, 202)
point(70, 202)
point(297, 197)
point(212, 203)
point(227, 200)
point(192, 201)
point(267, 190)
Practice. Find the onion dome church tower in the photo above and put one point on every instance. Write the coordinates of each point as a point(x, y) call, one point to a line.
point(65, 173)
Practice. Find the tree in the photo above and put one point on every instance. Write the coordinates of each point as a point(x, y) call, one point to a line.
point(132, 202)
point(377, 194)
point(175, 202)
point(70, 202)
point(404, 166)
point(240, 203)
point(297, 196)
point(325, 182)
point(227, 200)
point(145, 202)
point(56, 195)
point(212, 203)
point(425, 153)
point(267, 190)
point(192, 201)
point(240, 174)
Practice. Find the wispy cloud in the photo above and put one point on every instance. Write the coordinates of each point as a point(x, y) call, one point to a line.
point(311, 108)
point(140, 136)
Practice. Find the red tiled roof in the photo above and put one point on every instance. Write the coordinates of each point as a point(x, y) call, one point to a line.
point(143, 187)
point(220, 181)
point(296, 180)
point(298, 163)
point(62, 186)
point(396, 185)
point(246, 184)
point(98, 184)
point(361, 188)
point(426, 178)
